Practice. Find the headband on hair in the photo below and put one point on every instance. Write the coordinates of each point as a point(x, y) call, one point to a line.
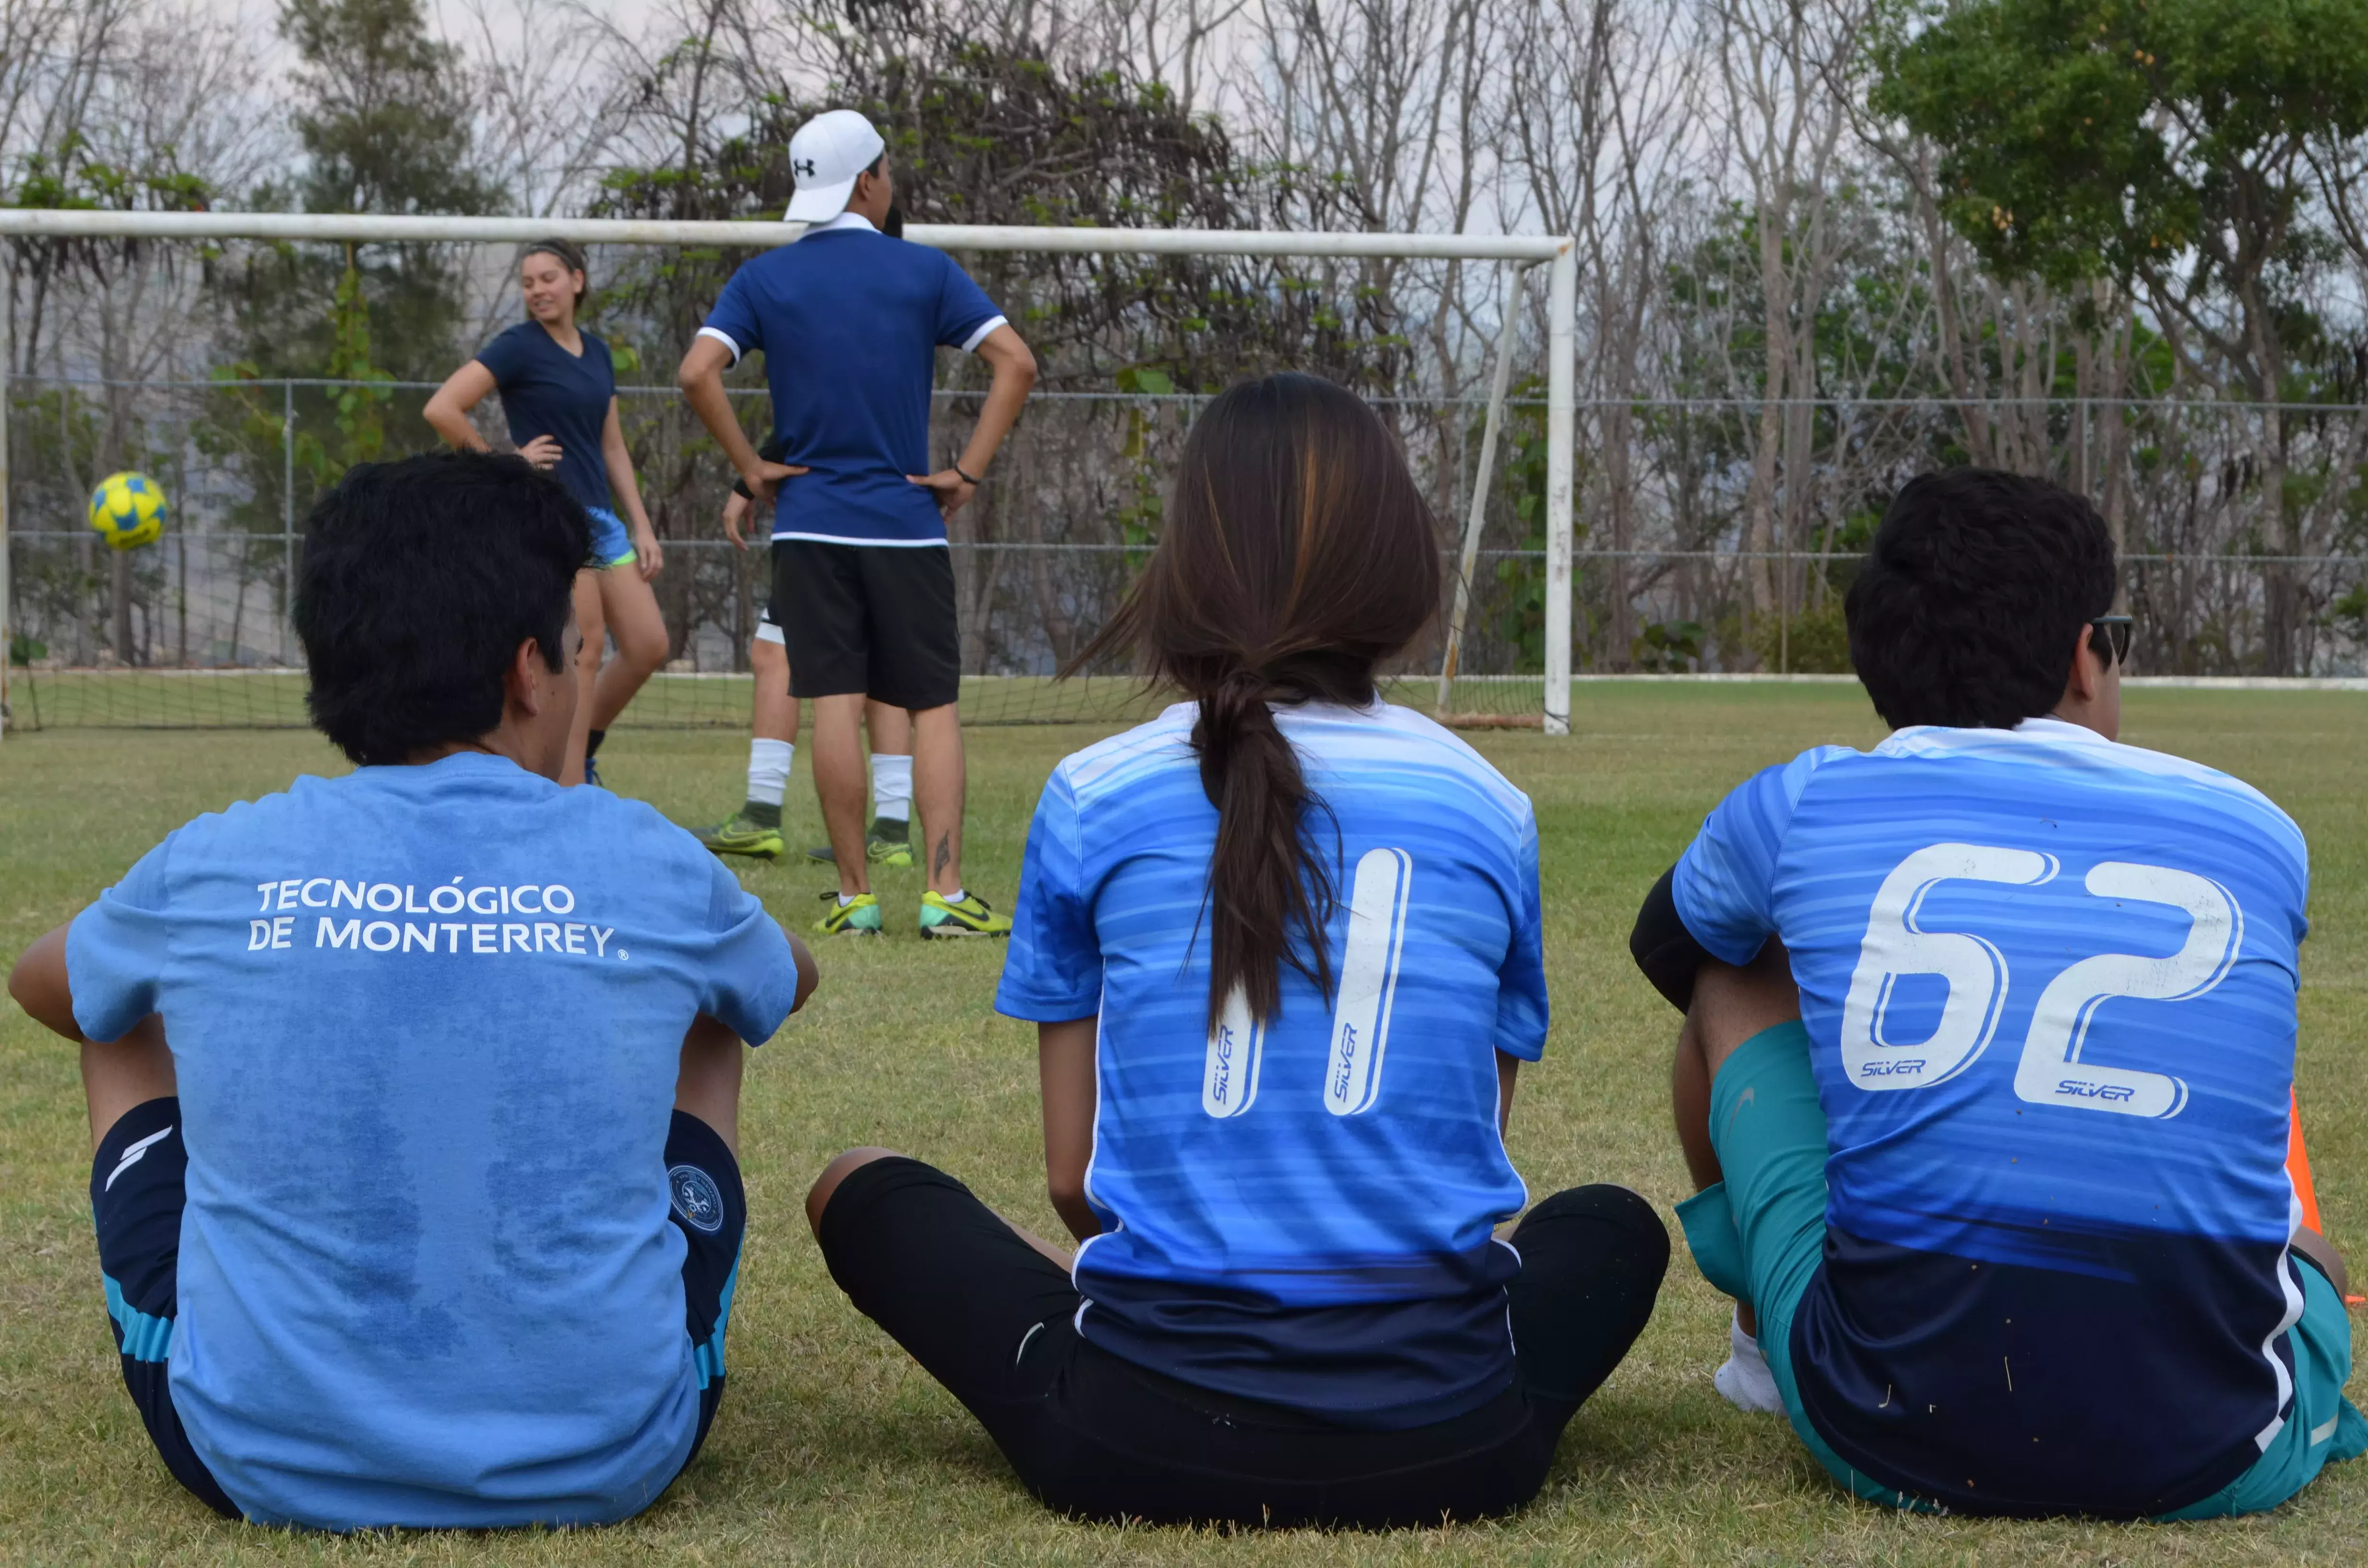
point(566, 251)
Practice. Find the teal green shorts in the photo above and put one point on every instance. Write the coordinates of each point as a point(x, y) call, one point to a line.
point(1760, 1235)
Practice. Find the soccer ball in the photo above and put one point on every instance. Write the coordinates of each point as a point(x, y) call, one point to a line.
point(127, 510)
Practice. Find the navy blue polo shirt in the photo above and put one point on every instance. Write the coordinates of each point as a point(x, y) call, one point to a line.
point(849, 321)
point(546, 390)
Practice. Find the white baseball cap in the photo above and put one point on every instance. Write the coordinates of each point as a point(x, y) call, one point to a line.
point(825, 155)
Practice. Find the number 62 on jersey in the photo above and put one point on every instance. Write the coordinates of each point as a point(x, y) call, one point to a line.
point(2052, 1069)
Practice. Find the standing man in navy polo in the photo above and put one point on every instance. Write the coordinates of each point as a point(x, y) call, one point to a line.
point(849, 321)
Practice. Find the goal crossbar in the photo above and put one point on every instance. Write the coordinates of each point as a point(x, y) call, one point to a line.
point(91, 223)
point(1557, 253)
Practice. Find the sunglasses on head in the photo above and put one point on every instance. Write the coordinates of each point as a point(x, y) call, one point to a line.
point(2109, 637)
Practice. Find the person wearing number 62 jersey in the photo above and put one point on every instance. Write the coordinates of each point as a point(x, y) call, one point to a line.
point(1987, 1073)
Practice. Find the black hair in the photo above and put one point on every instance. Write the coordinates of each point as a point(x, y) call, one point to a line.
point(569, 254)
point(1966, 611)
point(1298, 554)
point(420, 578)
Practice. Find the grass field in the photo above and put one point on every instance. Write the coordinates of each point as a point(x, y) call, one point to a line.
point(832, 1447)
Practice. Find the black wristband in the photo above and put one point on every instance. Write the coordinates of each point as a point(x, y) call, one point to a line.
point(1664, 950)
point(740, 488)
point(966, 479)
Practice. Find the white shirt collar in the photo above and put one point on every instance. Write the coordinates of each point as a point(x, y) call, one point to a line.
point(1378, 708)
point(2046, 726)
point(1919, 740)
point(844, 221)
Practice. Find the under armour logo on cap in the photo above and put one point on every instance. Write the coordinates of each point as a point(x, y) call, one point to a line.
point(828, 154)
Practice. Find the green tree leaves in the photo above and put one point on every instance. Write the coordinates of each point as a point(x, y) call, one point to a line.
point(382, 119)
point(2130, 139)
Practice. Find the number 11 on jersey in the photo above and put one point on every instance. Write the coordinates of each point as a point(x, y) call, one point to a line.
point(1369, 980)
point(1360, 1038)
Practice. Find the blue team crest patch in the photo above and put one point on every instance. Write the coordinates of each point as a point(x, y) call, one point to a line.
point(696, 1199)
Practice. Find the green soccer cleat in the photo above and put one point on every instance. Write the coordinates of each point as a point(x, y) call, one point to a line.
point(892, 849)
point(890, 841)
point(739, 835)
point(971, 917)
point(860, 918)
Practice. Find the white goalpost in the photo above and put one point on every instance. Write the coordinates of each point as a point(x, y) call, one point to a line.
point(1520, 253)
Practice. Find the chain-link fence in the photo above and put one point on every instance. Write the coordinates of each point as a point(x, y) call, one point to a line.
point(1690, 556)
point(193, 631)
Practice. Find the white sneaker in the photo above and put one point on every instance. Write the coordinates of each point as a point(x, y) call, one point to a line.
point(1745, 1379)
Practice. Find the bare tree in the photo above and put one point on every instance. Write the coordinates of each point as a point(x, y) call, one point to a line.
point(148, 106)
point(1784, 133)
point(1599, 108)
point(549, 108)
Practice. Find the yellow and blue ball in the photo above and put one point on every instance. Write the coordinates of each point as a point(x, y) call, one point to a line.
point(127, 510)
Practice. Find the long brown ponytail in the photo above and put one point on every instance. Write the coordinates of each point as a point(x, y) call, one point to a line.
point(1297, 555)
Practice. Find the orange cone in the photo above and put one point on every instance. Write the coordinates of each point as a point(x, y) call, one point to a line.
point(2298, 1170)
point(2298, 1165)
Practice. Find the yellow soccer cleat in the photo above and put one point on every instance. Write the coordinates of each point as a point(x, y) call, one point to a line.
point(858, 918)
point(970, 918)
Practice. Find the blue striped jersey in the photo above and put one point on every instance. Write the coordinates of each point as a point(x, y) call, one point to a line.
point(2050, 986)
point(1299, 1213)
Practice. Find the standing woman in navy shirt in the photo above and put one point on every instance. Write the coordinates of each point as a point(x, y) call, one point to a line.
point(1283, 948)
point(558, 396)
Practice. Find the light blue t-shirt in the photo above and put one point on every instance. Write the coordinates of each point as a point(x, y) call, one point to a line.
point(427, 1024)
point(1299, 1213)
point(849, 321)
point(2050, 984)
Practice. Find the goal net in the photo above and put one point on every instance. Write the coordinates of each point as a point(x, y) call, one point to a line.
point(193, 631)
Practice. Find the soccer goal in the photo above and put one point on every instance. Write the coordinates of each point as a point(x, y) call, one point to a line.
point(200, 638)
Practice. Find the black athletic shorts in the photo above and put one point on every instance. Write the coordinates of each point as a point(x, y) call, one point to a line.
point(1096, 1435)
point(874, 618)
point(139, 1185)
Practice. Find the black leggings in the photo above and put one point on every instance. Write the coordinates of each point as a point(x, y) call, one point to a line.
point(1093, 1435)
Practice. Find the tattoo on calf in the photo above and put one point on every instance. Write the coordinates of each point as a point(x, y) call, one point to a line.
point(945, 853)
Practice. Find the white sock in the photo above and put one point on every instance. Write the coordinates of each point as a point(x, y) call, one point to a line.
point(956, 896)
point(892, 787)
point(1745, 1379)
point(845, 899)
point(769, 770)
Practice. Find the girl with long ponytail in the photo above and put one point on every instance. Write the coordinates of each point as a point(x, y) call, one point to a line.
point(1282, 948)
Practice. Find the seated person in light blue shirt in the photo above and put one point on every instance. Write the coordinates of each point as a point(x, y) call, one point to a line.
point(1282, 947)
point(1988, 1068)
point(414, 1092)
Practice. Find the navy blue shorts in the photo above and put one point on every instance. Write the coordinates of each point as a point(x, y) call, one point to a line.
point(139, 1185)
